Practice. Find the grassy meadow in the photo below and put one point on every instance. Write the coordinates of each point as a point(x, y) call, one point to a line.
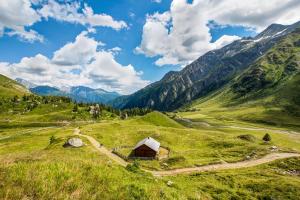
point(32, 168)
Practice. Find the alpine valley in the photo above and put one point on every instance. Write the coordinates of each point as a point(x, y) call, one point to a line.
point(226, 126)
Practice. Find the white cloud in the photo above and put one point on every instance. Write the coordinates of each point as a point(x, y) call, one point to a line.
point(258, 14)
point(224, 40)
point(73, 13)
point(131, 15)
point(104, 70)
point(101, 19)
point(95, 67)
point(30, 36)
point(15, 15)
point(181, 35)
point(157, 1)
point(79, 52)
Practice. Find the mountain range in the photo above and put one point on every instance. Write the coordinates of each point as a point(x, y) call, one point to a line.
point(215, 69)
point(77, 93)
point(264, 66)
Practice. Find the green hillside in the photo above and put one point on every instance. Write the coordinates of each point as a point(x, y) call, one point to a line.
point(268, 92)
point(159, 119)
point(10, 88)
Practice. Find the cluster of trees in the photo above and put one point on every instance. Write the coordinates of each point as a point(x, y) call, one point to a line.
point(28, 103)
point(137, 111)
point(40, 99)
point(96, 110)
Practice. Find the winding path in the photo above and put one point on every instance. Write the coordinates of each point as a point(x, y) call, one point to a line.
point(243, 164)
point(102, 149)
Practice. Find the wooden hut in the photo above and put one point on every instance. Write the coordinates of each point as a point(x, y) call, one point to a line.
point(146, 148)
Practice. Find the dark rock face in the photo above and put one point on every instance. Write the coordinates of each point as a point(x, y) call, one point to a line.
point(209, 72)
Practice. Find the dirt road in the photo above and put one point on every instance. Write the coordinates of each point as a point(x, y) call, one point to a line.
point(243, 164)
point(102, 149)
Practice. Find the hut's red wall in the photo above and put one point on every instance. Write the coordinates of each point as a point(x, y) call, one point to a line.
point(144, 151)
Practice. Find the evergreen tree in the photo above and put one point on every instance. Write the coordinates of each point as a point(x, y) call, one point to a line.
point(267, 137)
point(75, 108)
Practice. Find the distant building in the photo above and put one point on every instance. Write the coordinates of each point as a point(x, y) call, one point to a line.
point(146, 148)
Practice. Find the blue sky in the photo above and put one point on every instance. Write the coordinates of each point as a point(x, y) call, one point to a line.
point(148, 34)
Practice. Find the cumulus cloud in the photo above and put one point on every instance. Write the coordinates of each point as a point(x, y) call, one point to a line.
point(105, 70)
point(73, 53)
point(258, 14)
point(73, 65)
point(73, 13)
point(182, 34)
point(17, 16)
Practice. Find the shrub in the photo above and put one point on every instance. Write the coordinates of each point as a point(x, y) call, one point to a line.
point(174, 160)
point(52, 139)
point(222, 144)
point(75, 108)
point(267, 137)
point(134, 167)
point(247, 137)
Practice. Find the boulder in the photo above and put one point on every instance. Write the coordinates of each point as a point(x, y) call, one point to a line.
point(165, 165)
point(274, 148)
point(170, 183)
point(74, 142)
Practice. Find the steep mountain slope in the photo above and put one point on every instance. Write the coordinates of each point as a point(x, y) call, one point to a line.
point(269, 91)
point(10, 88)
point(208, 73)
point(79, 93)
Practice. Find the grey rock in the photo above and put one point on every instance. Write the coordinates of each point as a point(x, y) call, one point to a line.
point(165, 165)
point(170, 183)
point(274, 148)
point(74, 142)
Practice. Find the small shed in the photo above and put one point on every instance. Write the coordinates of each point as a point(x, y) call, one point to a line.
point(146, 148)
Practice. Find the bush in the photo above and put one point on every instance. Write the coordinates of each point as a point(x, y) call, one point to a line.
point(247, 137)
point(267, 137)
point(134, 167)
point(75, 108)
point(222, 144)
point(52, 139)
point(174, 160)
